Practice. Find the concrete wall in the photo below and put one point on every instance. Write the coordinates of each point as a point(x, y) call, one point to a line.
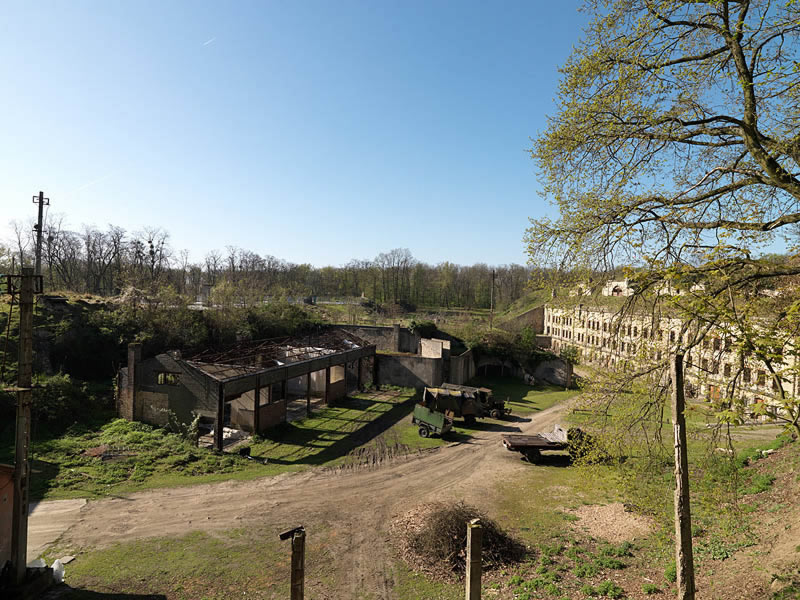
point(388, 339)
point(430, 348)
point(6, 512)
point(409, 370)
point(554, 372)
point(462, 368)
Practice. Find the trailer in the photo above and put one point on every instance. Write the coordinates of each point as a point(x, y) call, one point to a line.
point(431, 421)
point(531, 446)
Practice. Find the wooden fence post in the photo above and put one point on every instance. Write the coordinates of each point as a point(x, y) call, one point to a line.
point(298, 564)
point(684, 560)
point(474, 541)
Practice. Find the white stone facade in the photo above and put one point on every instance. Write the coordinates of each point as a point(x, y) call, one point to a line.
point(605, 340)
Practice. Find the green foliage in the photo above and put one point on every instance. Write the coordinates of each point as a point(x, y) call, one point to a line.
point(610, 589)
point(515, 580)
point(58, 401)
point(570, 354)
point(585, 569)
point(588, 590)
point(671, 573)
point(650, 589)
point(608, 562)
point(759, 482)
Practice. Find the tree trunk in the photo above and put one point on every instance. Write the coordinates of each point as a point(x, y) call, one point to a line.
point(684, 561)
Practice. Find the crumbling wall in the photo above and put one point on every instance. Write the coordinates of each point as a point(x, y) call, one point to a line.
point(388, 339)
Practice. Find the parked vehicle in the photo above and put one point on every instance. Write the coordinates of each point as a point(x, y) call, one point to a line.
point(461, 404)
point(431, 421)
point(578, 442)
point(490, 405)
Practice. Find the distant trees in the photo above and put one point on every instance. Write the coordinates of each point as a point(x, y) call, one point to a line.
point(111, 260)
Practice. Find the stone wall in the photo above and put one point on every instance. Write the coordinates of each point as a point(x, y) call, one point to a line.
point(408, 370)
point(388, 339)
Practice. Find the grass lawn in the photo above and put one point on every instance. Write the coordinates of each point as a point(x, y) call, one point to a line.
point(522, 398)
point(139, 456)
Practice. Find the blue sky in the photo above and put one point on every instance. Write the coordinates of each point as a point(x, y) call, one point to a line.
point(312, 131)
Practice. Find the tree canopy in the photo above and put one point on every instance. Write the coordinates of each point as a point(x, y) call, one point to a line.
point(676, 139)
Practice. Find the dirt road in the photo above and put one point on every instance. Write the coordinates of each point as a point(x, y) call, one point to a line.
point(358, 503)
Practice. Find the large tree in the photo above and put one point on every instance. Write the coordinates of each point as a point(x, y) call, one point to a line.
point(676, 148)
point(677, 134)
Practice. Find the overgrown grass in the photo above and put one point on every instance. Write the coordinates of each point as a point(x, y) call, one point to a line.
point(197, 565)
point(138, 456)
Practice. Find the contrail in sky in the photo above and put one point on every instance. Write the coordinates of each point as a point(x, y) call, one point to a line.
point(206, 43)
point(91, 183)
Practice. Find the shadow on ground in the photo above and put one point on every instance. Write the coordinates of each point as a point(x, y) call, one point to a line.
point(65, 592)
point(313, 438)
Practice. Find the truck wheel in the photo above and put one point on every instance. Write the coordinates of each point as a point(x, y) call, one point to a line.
point(424, 431)
point(469, 420)
point(494, 413)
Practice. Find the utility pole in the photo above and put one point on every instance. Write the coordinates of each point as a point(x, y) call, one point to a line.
point(684, 560)
point(42, 202)
point(491, 303)
point(19, 526)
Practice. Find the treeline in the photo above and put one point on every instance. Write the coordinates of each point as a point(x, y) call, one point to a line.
point(109, 262)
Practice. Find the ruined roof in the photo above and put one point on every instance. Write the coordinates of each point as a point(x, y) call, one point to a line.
point(258, 356)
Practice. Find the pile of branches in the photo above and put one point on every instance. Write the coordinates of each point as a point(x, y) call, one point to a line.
point(433, 539)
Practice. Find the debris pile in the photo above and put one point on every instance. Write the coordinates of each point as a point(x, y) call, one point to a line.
point(432, 538)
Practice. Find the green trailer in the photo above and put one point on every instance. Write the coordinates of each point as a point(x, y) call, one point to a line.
point(431, 421)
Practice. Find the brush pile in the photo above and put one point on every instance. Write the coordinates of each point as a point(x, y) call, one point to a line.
point(433, 539)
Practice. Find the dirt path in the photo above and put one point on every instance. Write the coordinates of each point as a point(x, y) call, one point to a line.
point(356, 503)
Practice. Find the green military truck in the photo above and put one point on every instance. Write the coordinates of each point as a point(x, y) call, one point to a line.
point(490, 406)
point(459, 404)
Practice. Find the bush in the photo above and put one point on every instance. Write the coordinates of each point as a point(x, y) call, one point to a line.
point(58, 401)
point(649, 589)
point(671, 573)
point(426, 329)
point(610, 589)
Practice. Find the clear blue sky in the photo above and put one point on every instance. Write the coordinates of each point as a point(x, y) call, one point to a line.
point(313, 131)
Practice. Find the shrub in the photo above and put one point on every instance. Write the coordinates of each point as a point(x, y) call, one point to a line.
point(610, 589)
point(671, 573)
point(649, 589)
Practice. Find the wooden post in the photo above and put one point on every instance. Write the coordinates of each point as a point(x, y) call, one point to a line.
point(298, 564)
point(19, 524)
point(220, 417)
point(257, 406)
point(308, 394)
point(684, 560)
point(474, 542)
point(360, 368)
point(284, 386)
point(327, 385)
point(375, 371)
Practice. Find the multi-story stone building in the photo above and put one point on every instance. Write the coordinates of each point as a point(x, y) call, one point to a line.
point(607, 340)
